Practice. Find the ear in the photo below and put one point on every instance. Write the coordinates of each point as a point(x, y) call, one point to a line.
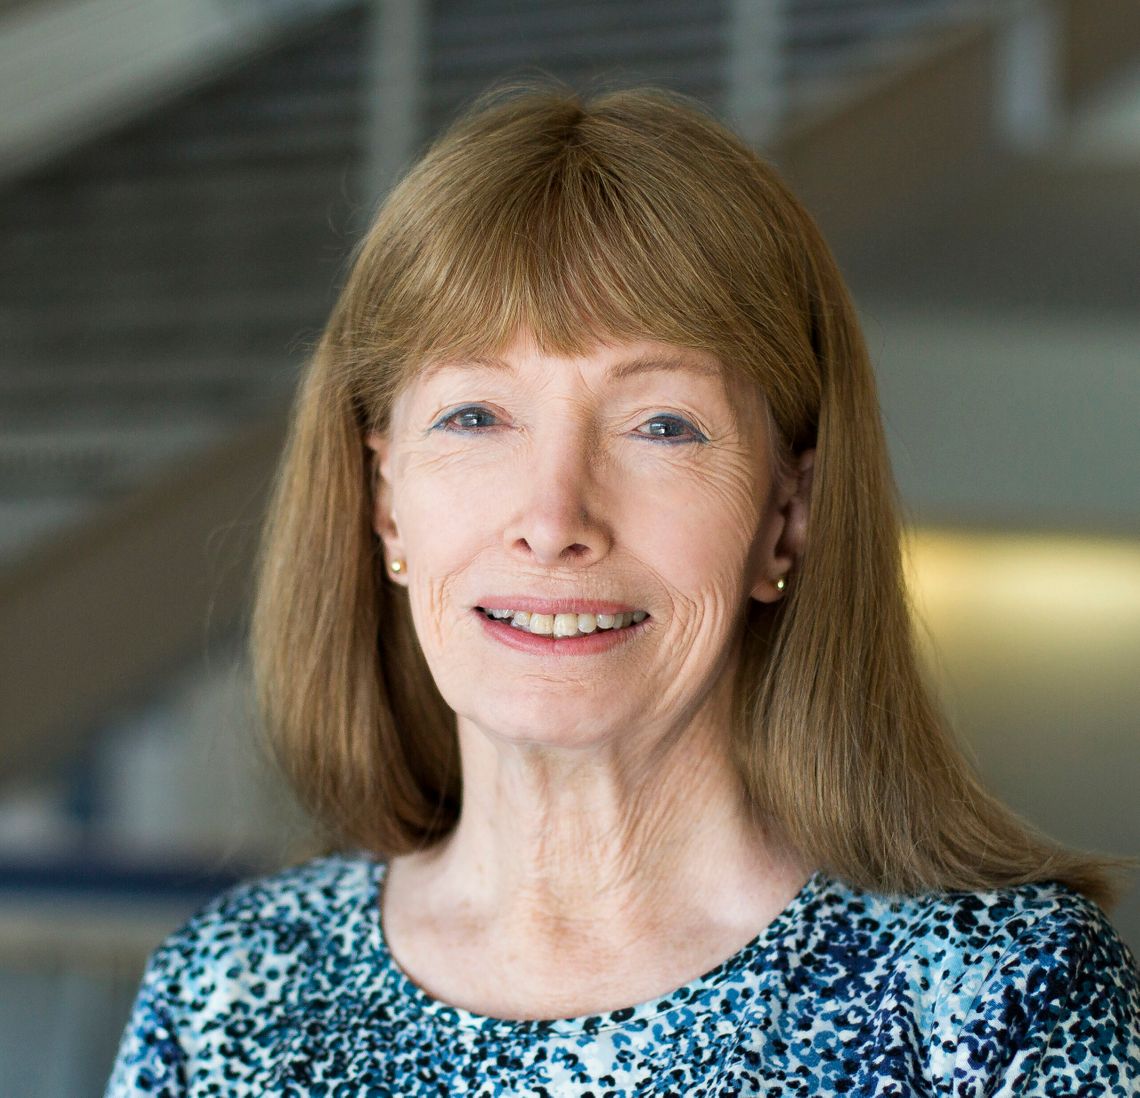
point(384, 521)
point(786, 539)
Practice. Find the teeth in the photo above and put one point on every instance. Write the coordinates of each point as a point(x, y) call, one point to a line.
point(566, 625)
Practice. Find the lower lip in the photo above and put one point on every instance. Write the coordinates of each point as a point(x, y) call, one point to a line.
point(589, 644)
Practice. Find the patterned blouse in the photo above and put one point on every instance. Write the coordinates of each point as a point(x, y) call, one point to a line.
point(286, 987)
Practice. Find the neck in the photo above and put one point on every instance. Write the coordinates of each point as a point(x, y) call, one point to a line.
point(608, 844)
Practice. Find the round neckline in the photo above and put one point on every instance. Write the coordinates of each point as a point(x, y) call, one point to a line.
point(684, 996)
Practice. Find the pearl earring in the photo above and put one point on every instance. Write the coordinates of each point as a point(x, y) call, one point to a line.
point(781, 583)
point(397, 566)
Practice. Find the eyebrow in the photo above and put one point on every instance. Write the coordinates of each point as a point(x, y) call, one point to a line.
point(619, 371)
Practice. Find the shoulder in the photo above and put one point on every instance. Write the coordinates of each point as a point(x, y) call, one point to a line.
point(960, 932)
point(1013, 935)
point(1052, 1001)
point(1016, 984)
point(962, 941)
point(977, 925)
point(224, 993)
point(267, 938)
point(288, 907)
point(298, 893)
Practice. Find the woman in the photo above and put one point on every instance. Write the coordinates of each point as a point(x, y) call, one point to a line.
point(581, 619)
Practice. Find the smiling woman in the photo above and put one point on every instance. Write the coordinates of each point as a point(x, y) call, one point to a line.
point(581, 629)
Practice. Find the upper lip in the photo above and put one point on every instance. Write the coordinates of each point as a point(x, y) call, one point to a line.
point(554, 606)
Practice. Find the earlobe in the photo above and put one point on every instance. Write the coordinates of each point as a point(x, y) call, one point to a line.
point(383, 511)
point(790, 532)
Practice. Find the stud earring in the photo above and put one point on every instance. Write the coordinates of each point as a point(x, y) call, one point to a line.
point(781, 583)
point(397, 566)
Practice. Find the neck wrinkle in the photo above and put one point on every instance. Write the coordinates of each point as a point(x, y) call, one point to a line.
point(607, 847)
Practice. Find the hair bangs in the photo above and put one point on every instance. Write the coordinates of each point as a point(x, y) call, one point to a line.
point(569, 238)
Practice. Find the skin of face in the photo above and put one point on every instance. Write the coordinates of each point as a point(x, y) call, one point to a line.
point(639, 472)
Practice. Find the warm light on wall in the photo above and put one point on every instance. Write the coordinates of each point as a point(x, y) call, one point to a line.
point(1033, 642)
point(1031, 631)
point(1083, 588)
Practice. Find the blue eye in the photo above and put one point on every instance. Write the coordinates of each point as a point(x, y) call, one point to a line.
point(671, 429)
point(472, 418)
point(475, 418)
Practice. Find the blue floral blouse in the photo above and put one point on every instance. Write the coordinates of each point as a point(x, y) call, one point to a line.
point(286, 987)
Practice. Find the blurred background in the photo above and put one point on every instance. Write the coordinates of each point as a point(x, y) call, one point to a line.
point(180, 184)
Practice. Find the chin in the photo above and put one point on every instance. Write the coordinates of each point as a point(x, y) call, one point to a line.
point(545, 725)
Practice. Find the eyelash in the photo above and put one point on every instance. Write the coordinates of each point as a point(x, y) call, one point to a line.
point(475, 409)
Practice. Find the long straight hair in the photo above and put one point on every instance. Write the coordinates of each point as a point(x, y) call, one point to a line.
point(633, 215)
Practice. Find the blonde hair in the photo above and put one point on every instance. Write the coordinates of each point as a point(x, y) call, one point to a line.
point(632, 215)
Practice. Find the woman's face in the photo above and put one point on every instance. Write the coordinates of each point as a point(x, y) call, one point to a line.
point(637, 478)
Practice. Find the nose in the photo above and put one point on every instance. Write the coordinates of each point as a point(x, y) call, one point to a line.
point(558, 520)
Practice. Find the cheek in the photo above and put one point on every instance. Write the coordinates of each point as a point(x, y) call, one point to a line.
point(442, 506)
point(698, 527)
point(449, 511)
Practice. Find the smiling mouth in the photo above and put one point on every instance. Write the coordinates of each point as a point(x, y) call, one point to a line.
point(564, 625)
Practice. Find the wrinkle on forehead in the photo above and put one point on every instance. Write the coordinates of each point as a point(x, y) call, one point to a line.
point(637, 363)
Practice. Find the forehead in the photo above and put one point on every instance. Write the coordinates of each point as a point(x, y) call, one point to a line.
point(608, 363)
